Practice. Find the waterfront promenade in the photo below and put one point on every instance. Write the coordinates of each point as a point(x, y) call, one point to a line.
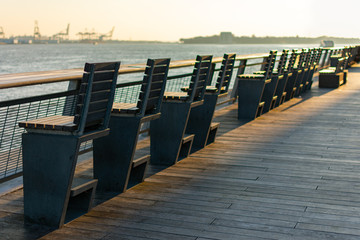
point(293, 173)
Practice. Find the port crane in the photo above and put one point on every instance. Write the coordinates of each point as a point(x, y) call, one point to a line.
point(2, 33)
point(107, 36)
point(86, 35)
point(37, 34)
point(63, 35)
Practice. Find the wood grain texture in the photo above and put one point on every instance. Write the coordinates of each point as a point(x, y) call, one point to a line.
point(292, 173)
point(33, 78)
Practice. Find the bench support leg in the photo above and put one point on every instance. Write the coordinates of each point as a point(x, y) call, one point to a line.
point(309, 79)
point(250, 92)
point(290, 85)
point(48, 164)
point(305, 80)
point(280, 89)
point(167, 132)
point(200, 121)
point(299, 82)
point(113, 154)
point(268, 94)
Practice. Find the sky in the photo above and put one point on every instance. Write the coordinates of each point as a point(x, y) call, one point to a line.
point(167, 20)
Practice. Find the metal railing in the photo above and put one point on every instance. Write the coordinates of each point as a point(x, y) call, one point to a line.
point(59, 103)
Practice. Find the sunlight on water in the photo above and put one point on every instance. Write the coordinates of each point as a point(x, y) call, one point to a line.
point(43, 57)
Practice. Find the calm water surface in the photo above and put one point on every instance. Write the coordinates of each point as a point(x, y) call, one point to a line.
point(43, 57)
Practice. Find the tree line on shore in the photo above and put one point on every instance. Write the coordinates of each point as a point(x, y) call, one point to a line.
point(266, 40)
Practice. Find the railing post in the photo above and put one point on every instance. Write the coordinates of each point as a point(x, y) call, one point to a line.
point(70, 100)
point(241, 70)
point(211, 76)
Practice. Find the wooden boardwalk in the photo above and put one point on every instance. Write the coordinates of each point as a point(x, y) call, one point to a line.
point(293, 173)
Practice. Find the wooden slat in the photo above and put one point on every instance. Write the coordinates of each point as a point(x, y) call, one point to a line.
point(158, 77)
point(32, 78)
point(100, 66)
point(50, 123)
point(125, 108)
point(176, 95)
point(101, 85)
point(95, 116)
point(292, 173)
point(100, 76)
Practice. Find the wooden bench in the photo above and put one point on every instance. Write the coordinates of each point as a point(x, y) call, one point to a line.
point(290, 88)
point(200, 118)
point(168, 141)
point(317, 52)
point(274, 90)
point(251, 88)
point(333, 76)
point(302, 68)
point(114, 163)
point(51, 146)
point(356, 54)
point(283, 72)
point(307, 68)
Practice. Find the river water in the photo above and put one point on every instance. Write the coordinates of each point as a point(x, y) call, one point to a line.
point(43, 57)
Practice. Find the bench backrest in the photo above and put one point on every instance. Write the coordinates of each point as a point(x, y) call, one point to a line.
point(334, 60)
point(329, 54)
point(282, 61)
point(153, 86)
point(96, 95)
point(299, 59)
point(317, 56)
point(225, 74)
point(292, 60)
point(199, 78)
point(338, 62)
point(270, 64)
point(307, 57)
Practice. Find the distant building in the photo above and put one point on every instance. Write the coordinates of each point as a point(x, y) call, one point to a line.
point(226, 38)
point(326, 43)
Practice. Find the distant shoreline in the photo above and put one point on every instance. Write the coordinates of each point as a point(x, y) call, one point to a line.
point(229, 38)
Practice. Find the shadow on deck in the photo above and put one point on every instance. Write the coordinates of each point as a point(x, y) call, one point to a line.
point(293, 173)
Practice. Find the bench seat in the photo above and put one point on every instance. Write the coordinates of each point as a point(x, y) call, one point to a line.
point(212, 132)
point(80, 185)
point(330, 70)
point(183, 96)
point(209, 89)
point(138, 170)
point(260, 72)
point(252, 76)
point(186, 144)
point(57, 123)
point(129, 108)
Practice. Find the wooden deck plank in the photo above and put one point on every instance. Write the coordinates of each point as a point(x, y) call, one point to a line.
point(293, 173)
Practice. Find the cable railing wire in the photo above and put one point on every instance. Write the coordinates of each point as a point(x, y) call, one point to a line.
point(63, 103)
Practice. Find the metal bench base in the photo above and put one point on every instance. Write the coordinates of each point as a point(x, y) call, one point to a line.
point(290, 85)
point(250, 93)
point(199, 122)
point(331, 80)
point(114, 154)
point(186, 145)
point(212, 133)
point(269, 92)
point(167, 132)
point(49, 163)
point(138, 170)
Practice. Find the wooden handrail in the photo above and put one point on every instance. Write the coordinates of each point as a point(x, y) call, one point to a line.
point(33, 78)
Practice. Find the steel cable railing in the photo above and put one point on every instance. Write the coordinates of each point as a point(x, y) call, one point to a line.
point(62, 103)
